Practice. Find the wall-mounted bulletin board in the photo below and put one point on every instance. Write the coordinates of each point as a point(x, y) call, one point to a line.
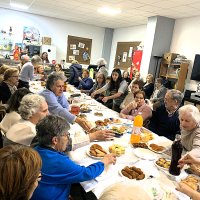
point(124, 52)
point(79, 49)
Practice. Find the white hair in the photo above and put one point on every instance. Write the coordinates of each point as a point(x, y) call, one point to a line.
point(121, 191)
point(101, 61)
point(29, 105)
point(194, 111)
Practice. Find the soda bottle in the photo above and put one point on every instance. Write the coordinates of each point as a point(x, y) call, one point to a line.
point(137, 125)
point(177, 149)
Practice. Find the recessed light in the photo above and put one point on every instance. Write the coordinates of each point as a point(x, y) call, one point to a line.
point(21, 6)
point(109, 11)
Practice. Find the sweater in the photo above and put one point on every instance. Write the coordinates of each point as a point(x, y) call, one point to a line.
point(5, 92)
point(59, 172)
point(163, 124)
point(191, 139)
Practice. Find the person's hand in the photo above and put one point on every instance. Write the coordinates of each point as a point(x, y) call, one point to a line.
point(83, 123)
point(188, 159)
point(79, 78)
point(132, 105)
point(182, 187)
point(122, 115)
point(93, 94)
point(101, 135)
point(109, 159)
point(105, 99)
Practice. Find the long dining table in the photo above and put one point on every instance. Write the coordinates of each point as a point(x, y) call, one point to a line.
point(158, 183)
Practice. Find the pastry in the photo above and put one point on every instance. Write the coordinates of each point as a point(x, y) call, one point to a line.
point(117, 149)
point(97, 151)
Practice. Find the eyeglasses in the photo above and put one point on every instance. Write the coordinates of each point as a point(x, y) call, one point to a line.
point(14, 76)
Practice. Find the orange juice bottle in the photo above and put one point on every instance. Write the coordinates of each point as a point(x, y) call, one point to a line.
point(138, 123)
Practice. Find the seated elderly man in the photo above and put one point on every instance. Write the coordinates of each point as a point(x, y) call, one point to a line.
point(33, 108)
point(165, 121)
point(57, 102)
point(189, 117)
point(58, 171)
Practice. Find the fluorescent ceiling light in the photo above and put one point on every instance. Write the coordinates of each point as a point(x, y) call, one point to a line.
point(21, 6)
point(109, 11)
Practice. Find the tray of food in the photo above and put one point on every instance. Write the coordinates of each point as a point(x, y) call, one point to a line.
point(192, 181)
point(96, 151)
point(156, 148)
point(140, 145)
point(162, 163)
point(117, 149)
point(132, 172)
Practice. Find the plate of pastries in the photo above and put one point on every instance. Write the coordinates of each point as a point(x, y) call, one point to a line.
point(132, 173)
point(108, 121)
point(156, 148)
point(96, 151)
point(117, 149)
point(192, 181)
point(162, 163)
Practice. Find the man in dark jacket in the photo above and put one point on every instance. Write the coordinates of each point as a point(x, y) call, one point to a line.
point(165, 121)
point(75, 71)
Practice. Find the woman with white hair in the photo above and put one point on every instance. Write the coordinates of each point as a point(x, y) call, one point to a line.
point(189, 117)
point(32, 109)
point(101, 63)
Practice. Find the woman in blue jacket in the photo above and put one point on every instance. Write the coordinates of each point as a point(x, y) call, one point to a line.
point(58, 171)
point(86, 82)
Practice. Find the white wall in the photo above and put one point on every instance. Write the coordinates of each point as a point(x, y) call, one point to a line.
point(57, 29)
point(185, 41)
point(136, 33)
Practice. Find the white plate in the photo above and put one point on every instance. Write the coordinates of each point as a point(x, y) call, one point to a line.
point(120, 173)
point(144, 154)
point(159, 167)
point(154, 150)
point(88, 153)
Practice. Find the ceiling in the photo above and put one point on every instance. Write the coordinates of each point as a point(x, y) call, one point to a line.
point(134, 12)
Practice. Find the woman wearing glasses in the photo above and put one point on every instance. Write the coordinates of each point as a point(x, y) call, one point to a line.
point(58, 170)
point(19, 172)
point(136, 106)
point(9, 85)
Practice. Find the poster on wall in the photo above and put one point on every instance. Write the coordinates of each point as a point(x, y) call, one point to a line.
point(72, 46)
point(76, 52)
point(31, 35)
point(124, 56)
point(71, 58)
point(81, 45)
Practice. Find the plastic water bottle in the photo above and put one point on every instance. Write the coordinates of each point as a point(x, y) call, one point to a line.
point(137, 125)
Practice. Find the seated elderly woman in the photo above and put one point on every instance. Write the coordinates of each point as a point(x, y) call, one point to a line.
point(85, 83)
point(189, 117)
point(100, 82)
point(33, 108)
point(138, 105)
point(157, 98)
point(9, 85)
point(58, 171)
point(12, 116)
point(19, 172)
point(124, 191)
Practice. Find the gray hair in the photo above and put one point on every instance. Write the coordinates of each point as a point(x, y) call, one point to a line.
point(101, 61)
point(29, 105)
point(52, 78)
point(36, 60)
point(176, 95)
point(49, 127)
point(194, 111)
